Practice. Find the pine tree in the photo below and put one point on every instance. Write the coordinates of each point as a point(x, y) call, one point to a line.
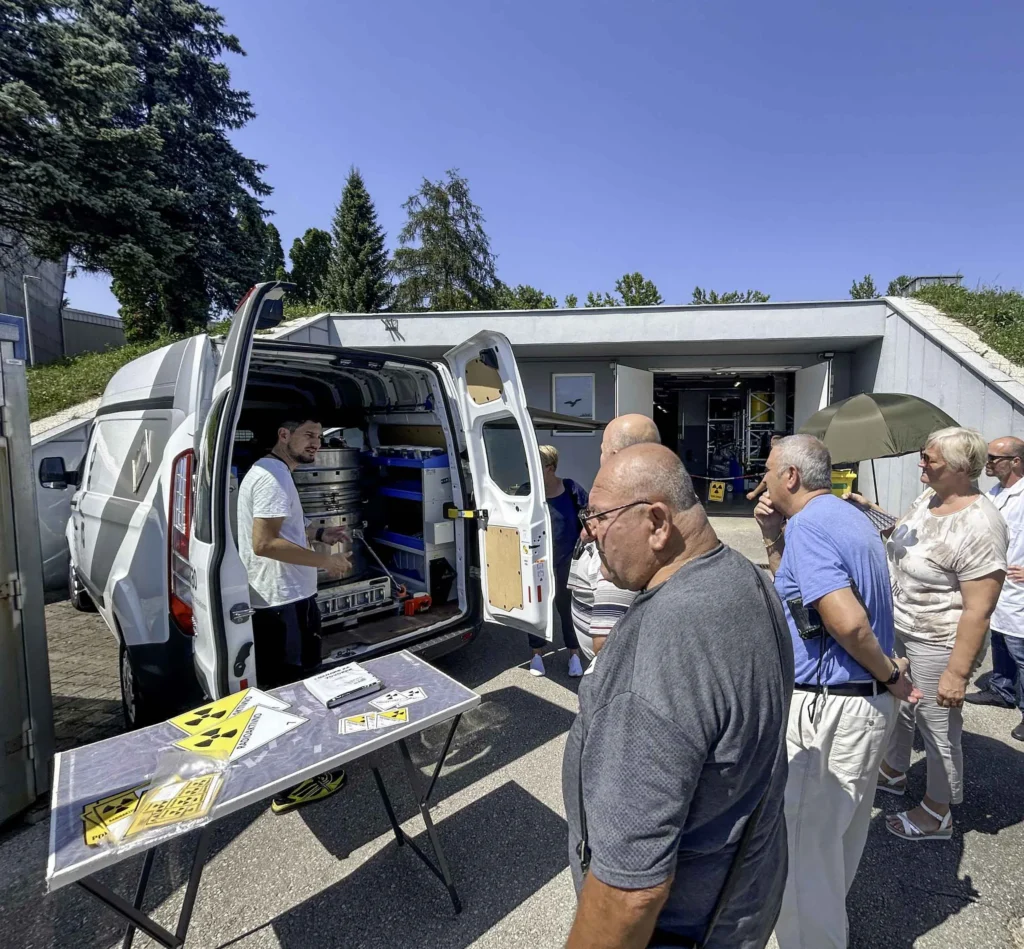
point(359, 275)
point(272, 267)
point(863, 289)
point(452, 268)
point(311, 257)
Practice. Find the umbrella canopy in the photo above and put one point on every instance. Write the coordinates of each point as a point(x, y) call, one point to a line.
point(876, 425)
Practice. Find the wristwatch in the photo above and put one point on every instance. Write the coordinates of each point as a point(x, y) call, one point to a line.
point(895, 675)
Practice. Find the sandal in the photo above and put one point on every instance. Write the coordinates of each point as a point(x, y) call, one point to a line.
point(910, 831)
point(896, 786)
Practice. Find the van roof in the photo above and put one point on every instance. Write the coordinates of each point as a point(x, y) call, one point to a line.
point(151, 381)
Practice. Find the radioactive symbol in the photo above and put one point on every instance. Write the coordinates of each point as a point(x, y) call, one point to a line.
point(108, 810)
point(220, 740)
point(717, 491)
point(213, 713)
point(397, 716)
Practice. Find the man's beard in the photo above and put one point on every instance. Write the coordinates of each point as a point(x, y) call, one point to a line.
point(306, 457)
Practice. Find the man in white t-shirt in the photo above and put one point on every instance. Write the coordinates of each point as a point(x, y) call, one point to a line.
point(1006, 684)
point(275, 542)
point(597, 604)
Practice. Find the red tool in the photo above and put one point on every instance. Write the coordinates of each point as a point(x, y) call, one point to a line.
point(417, 603)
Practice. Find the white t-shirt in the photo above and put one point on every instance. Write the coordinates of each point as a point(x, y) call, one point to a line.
point(931, 555)
point(597, 604)
point(1008, 617)
point(268, 490)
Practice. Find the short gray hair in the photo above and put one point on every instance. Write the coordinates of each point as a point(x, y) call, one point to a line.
point(809, 456)
point(963, 449)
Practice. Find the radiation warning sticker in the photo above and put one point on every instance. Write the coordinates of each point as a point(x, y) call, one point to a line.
point(214, 713)
point(241, 733)
point(110, 816)
point(174, 802)
point(358, 723)
point(394, 716)
point(716, 491)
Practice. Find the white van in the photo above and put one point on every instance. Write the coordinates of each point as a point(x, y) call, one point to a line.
point(443, 447)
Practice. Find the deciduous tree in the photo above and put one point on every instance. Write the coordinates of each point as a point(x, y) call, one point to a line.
point(864, 289)
point(522, 297)
point(710, 297)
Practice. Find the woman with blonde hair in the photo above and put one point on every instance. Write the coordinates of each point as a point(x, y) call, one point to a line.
point(947, 561)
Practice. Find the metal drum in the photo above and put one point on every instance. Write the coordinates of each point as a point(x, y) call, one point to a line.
point(335, 458)
point(351, 518)
point(325, 476)
point(329, 497)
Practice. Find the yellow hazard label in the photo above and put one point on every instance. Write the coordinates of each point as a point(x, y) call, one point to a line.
point(200, 719)
point(221, 740)
point(99, 815)
point(716, 492)
point(396, 716)
point(174, 802)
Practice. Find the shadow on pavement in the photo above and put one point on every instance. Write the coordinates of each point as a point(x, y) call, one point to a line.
point(393, 899)
point(80, 721)
point(904, 890)
point(507, 725)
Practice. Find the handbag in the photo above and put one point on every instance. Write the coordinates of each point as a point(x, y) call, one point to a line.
point(661, 937)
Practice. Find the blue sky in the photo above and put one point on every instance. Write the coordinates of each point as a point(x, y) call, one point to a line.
point(789, 147)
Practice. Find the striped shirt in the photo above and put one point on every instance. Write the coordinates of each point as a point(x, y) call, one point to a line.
point(597, 604)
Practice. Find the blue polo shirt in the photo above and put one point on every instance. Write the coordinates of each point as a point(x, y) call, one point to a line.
point(831, 544)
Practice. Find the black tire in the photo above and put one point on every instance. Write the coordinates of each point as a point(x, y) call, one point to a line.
point(136, 706)
point(80, 600)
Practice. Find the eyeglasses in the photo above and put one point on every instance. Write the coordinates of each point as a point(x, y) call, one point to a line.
point(992, 459)
point(587, 515)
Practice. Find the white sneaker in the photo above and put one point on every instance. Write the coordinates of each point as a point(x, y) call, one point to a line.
point(537, 666)
point(575, 667)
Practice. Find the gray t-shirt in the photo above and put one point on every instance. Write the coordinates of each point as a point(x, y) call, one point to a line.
point(682, 727)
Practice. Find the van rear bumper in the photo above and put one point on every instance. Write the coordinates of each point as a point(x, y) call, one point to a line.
point(447, 642)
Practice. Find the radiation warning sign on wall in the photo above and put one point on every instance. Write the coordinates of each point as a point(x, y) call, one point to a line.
point(716, 491)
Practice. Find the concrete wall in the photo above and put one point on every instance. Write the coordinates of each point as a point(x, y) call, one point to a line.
point(916, 356)
point(86, 332)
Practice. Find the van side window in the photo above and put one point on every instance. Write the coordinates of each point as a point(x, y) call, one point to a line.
point(506, 455)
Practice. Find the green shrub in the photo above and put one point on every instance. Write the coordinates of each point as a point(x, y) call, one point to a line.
point(996, 315)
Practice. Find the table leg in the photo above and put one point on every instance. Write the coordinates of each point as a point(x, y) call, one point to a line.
point(133, 913)
point(399, 836)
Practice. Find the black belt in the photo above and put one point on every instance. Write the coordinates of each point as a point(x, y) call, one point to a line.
point(847, 688)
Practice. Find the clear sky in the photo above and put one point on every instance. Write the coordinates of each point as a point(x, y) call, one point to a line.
point(788, 147)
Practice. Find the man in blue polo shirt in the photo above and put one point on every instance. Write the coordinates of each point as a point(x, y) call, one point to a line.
point(831, 574)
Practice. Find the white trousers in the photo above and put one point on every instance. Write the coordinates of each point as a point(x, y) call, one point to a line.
point(833, 770)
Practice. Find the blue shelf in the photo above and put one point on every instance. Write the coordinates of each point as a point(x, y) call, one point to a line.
point(434, 461)
point(403, 541)
point(402, 493)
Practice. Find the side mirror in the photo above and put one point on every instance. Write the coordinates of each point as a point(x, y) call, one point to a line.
point(53, 474)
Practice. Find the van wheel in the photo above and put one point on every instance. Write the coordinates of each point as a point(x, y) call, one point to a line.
point(80, 600)
point(135, 706)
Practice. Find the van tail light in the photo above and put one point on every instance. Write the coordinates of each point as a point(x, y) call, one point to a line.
point(179, 533)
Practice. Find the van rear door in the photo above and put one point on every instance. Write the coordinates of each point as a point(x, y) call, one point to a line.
point(220, 607)
point(508, 484)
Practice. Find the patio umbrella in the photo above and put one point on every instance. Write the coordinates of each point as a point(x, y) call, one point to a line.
point(876, 425)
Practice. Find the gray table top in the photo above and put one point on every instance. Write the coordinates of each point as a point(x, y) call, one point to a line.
point(87, 774)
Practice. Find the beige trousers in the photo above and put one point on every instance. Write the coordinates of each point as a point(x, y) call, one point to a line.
point(940, 728)
point(833, 769)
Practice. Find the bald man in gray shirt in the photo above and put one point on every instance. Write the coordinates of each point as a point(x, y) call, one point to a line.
point(677, 754)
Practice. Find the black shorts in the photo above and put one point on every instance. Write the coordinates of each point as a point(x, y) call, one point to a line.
point(287, 642)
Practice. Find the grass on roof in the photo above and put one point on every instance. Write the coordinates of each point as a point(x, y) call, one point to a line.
point(996, 315)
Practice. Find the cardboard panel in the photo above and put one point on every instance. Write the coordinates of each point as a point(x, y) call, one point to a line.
point(504, 568)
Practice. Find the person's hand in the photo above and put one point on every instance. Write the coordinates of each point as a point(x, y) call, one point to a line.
point(952, 688)
point(903, 688)
point(337, 565)
point(1015, 573)
point(768, 519)
point(857, 499)
point(334, 535)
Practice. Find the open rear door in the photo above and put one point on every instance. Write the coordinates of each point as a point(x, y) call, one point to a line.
point(515, 539)
point(220, 608)
point(634, 391)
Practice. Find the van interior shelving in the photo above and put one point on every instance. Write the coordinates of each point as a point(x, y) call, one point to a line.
point(384, 471)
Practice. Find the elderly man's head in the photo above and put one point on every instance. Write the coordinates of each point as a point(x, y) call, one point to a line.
point(644, 514)
point(799, 467)
point(625, 431)
point(1005, 460)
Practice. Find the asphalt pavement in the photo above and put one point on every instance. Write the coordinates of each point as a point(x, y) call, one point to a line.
point(332, 875)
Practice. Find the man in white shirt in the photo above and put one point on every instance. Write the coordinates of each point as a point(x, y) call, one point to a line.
point(597, 604)
point(1006, 684)
point(275, 543)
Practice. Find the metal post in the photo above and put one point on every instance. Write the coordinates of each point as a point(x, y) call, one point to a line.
point(874, 480)
point(25, 277)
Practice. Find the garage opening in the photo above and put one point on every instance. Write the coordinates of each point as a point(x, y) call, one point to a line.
point(720, 423)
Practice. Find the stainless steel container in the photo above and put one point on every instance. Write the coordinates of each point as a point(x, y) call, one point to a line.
point(332, 476)
point(316, 498)
point(334, 458)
